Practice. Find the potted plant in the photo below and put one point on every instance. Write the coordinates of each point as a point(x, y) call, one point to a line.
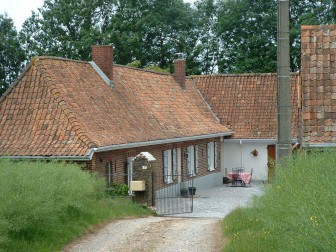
point(254, 152)
point(192, 190)
point(184, 191)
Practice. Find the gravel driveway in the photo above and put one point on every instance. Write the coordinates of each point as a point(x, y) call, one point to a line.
point(200, 232)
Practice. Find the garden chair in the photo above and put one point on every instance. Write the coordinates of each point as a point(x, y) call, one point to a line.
point(236, 179)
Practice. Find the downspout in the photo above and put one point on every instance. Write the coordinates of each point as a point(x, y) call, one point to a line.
point(241, 153)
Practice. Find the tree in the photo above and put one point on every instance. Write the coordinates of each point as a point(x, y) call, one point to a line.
point(151, 31)
point(307, 12)
point(66, 28)
point(11, 54)
point(247, 33)
point(208, 45)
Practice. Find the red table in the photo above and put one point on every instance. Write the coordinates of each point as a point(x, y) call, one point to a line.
point(244, 176)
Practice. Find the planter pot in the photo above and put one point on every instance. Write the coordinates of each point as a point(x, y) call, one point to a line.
point(184, 192)
point(192, 190)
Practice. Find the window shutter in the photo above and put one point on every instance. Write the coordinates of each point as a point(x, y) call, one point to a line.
point(165, 166)
point(196, 159)
point(174, 161)
point(216, 155)
point(170, 167)
point(209, 155)
point(108, 173)
point(189, 160)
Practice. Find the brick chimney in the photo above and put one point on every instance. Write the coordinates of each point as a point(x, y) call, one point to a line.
point(102, 55)
point(179, 72)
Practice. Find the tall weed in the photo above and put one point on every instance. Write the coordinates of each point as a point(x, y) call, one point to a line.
point(45, 205)
point(297, 212)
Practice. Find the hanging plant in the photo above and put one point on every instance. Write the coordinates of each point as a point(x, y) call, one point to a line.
point(254, 152)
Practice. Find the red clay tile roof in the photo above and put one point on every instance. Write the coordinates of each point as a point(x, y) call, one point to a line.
point(63, 107)
point(246, 103)
point(318, 59)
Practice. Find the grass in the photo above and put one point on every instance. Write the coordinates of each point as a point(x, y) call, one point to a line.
point(296, 213)
point(46, 205)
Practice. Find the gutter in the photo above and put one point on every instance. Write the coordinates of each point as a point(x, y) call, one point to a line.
point(157, 142)
point(319, 145)
point(248, 140)
point(72, 158)
point(90, 153)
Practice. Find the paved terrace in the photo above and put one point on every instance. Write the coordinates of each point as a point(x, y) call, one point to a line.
point(219, 201)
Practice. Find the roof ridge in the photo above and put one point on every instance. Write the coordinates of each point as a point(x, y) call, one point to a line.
point(75, 125)
point(59, 58)
point(88, 62)
point(238, 75)
point(319, 27)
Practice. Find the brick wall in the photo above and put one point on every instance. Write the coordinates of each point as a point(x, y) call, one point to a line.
point(180, 72)
point(318, 71)
point(102, 55)
point(118, 159)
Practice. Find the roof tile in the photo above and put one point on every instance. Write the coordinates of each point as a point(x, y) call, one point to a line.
point(63, 108)
point(318, 83)
point(246, 103)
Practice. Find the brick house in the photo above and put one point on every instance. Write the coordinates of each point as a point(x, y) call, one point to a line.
point(246, 104)
point(102, 115)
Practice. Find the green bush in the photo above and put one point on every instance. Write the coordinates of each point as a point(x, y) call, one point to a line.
point(46, 205)
point(116, 189)
point(297, 212)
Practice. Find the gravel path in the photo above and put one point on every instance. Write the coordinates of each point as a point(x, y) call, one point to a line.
point(154, 234)
point(200, 232)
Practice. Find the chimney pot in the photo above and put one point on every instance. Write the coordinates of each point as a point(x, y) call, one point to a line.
point(102, 55)
point(179, 72)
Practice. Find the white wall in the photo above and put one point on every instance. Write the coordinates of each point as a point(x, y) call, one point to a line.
point(239, 155)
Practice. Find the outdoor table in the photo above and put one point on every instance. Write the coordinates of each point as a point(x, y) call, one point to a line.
point(244, 176)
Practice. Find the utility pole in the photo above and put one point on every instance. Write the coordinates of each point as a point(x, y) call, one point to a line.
point(284, 110)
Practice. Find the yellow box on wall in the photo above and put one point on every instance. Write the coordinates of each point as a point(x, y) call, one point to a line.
point(138, 185)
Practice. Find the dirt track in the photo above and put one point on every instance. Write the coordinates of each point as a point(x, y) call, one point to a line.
point(154, 234)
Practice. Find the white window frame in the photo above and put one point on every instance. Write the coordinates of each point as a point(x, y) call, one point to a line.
point(212, 155)
point(192, 160)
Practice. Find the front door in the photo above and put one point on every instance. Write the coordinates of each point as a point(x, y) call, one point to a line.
point(271, 161)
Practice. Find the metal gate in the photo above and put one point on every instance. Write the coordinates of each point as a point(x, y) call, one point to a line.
point(176, 197)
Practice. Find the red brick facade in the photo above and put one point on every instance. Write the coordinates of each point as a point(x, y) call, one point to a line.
point(118, 159)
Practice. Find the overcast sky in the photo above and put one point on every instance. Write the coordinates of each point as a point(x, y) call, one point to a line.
point(20, 10)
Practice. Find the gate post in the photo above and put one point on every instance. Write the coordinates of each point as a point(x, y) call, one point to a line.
point(143, 170)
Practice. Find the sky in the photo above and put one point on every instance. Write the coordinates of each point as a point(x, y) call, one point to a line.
point(20, 10)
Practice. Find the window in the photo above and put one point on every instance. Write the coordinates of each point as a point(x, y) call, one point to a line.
point(212, 155)
point(192, 160)
point(171, 163)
